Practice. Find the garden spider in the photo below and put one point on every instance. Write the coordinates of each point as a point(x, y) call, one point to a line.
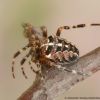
point(47, 50)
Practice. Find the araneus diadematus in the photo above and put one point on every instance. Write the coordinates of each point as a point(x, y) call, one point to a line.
point(47, 50)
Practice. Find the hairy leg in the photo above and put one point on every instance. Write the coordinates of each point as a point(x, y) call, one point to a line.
point(15, 56)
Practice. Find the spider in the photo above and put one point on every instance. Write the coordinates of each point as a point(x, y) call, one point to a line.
point(47, 50)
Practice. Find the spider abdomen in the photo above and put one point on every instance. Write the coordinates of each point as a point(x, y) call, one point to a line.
point(60, 50)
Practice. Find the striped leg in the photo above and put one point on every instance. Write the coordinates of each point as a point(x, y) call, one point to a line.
point(74, 26)
point(79, 26)
point(44, 30)
point(67, 27)
point(23, 61)
point(15, 56)
point(36, 72)
point(84, 25)
point(60, 29)
point(95, 24)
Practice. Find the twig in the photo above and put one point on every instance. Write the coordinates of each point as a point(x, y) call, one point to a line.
point(58, 81)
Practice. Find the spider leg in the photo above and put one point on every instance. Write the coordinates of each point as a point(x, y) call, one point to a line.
point(15, 56)
point(84, 25)
point(74, 26)
point(67, 27)
point(44, 30)
point(23, 61)
point(79, 26)
point(95, 24)
point(60, 29)
point(38, 72)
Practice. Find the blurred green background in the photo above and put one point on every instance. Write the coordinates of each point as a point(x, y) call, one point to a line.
point(51, 13)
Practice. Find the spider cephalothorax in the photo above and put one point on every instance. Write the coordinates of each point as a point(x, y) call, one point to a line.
point(47, 50)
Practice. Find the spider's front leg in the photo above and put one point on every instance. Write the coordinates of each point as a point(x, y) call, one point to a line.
point(15, 56)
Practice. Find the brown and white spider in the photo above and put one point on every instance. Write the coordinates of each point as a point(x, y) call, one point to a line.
point(47, 50)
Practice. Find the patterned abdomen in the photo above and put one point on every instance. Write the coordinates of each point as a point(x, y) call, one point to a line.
point(61, 51)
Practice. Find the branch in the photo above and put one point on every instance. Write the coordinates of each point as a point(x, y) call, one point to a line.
point(58, 81)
